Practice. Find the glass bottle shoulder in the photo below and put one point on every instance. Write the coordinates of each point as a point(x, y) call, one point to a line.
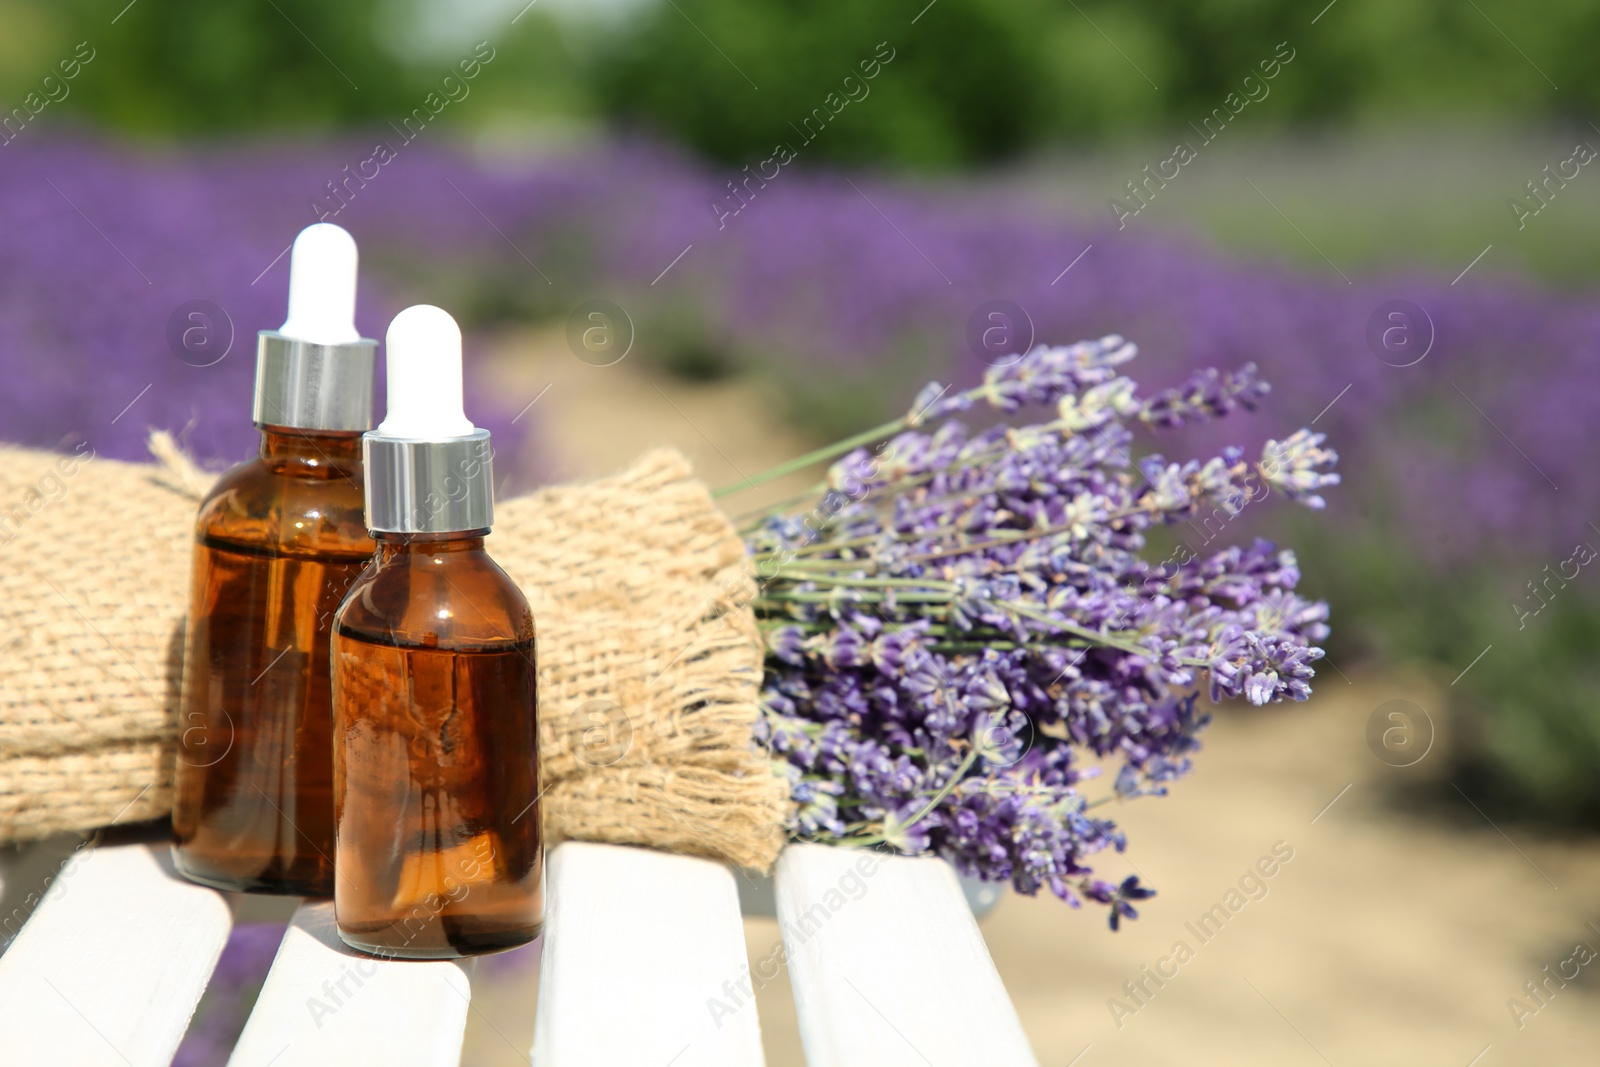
point(288, 508)
point(439, 596)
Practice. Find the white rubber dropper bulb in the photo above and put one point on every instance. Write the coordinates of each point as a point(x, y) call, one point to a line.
point(322, 286)
point(424, 370)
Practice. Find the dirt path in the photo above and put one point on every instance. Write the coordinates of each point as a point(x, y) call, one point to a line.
point(590, 421)
point(1386, 939)
point(1380, 937)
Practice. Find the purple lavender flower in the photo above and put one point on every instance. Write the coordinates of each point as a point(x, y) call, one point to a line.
point(1117, 897)
point(976, 618)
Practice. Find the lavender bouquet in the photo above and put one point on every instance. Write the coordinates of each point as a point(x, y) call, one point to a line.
point(963, 637)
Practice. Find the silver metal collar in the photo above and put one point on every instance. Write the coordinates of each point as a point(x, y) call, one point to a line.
point(443, 486)
point(313, 387)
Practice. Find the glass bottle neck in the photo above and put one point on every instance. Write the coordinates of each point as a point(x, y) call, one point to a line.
point(393, 546)
point(312, 453)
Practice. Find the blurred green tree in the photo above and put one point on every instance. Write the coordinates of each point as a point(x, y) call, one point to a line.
point(970, 81)
point(173, 67)
point(732, 78)
point(974, 80)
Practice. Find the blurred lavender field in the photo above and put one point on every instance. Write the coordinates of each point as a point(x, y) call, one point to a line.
point(819, 279)
point(1466, 476)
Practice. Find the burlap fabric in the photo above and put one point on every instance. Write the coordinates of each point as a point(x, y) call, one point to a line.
point(649, 672)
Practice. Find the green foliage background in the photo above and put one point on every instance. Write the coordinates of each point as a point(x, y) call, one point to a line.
point(977, 80)
point(972, 81)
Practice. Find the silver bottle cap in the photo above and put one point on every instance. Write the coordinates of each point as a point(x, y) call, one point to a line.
point(310, 386)
point(440, 486)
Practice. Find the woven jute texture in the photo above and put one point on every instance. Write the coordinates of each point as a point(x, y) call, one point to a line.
point(649, 658)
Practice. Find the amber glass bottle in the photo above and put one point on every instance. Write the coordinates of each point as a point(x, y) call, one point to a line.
point(436, 762)
point(278, 543)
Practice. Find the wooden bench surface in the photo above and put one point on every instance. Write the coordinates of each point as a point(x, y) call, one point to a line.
point(643, 962)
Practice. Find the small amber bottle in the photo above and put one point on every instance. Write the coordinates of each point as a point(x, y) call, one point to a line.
point(436, 762)
point(279, 540)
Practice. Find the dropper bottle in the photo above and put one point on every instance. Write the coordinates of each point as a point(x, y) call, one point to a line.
point(436, 762)
point(279, 540)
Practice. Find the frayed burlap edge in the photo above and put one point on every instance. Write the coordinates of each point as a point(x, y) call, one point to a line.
point(650, 662)
point(649, 665)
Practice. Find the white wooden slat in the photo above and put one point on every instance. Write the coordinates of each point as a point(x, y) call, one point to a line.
point(325, 1004)
point(643, 963)
point(110, 966)
point(887, 964)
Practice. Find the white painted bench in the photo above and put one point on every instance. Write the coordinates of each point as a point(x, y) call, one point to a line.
point(642, 966)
